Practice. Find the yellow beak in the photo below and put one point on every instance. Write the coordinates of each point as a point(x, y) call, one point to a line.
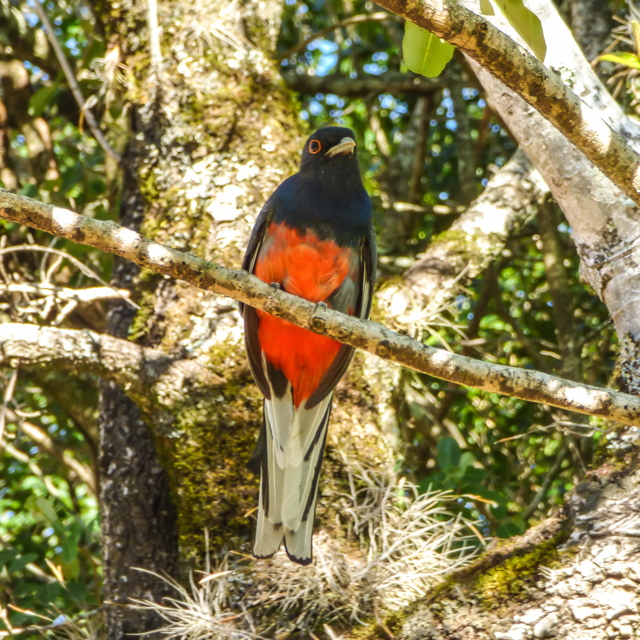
point(346, 145)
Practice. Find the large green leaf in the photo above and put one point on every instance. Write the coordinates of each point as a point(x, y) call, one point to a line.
point(424, 52)
point(526, 23)
point(448, 453)
point(624, 57)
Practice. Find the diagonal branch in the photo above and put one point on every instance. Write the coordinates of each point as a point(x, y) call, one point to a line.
point(532, 81)
point(362, 334)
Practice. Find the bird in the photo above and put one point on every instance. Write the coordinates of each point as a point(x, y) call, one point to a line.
point(313, 238)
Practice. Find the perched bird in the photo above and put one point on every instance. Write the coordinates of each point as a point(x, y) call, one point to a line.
point(313, 238)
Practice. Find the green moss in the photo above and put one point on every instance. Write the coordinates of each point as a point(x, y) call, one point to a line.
point(514, 576)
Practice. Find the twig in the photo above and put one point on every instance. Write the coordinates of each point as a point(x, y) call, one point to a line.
point(380, 16)
point(156, 54)
point(362, 334)
point(73, 84)
point(8, 396)
point(74, 261)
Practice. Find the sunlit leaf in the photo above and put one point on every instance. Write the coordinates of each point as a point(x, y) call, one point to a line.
point(526, 23)
point(46, 508)
point(624, 57)
point(486, 8)
point(424, 52)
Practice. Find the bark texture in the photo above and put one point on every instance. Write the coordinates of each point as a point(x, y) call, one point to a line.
point(603, 220)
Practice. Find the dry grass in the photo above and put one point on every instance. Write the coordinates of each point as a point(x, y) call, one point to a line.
point(396, 543)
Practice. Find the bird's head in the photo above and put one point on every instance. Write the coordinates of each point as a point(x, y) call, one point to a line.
point(330, 146)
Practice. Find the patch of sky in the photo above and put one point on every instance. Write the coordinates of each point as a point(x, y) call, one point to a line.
point(57, 20)
point(50, 6)
point(58, 31)
point(336, 113)
point(326, 63)
point(315, 107)
point(484, 182)
point(302, 9)
point(353, 75)
point(443, 195)
point(499, 161)
point(452, 125)
point(31, 18)
point(520, 294)
point(469, 93)
point(481, 103)
point(374, 69)
point(387, 101)
point(27, 64)
point(380, 56)
point(495, 128)
point(290, 2)
point(433, 123)
point(470, 316)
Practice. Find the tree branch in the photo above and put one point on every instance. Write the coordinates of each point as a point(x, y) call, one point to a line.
point(532, 81)
point(336, 83)
point(362, 334)
point(149, 376)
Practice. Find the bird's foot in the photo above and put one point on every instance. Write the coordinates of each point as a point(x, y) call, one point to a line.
point(276, 285)
point(320, 306)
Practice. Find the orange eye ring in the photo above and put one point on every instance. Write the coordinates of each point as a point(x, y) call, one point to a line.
point(315, 146)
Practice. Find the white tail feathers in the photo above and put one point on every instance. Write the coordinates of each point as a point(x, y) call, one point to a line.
point(290, 469)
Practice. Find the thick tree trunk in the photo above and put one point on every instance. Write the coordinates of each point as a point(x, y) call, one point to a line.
point(211, 137)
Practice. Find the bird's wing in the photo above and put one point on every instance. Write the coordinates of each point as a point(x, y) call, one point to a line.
point(251, 321)
point(359, 292)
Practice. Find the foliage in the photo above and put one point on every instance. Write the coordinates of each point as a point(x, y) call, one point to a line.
point(495, 453)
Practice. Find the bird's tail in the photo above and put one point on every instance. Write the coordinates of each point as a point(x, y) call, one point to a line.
point(288, 494)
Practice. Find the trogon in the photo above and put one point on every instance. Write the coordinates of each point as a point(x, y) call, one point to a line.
point(313, 238)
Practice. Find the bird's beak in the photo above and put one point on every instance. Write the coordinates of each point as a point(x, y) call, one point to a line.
point(346, 145)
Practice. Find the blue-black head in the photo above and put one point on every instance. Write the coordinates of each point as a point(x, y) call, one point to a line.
point(330, 148)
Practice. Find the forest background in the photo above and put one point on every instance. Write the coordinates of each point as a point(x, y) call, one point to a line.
point(188, 125)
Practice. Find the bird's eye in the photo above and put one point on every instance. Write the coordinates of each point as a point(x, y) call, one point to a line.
point(314, 146)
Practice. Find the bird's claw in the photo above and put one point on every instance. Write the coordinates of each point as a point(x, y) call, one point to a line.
point(320, 306)
point(276, 286)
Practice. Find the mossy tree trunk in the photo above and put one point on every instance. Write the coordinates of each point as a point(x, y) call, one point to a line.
point(213, 132)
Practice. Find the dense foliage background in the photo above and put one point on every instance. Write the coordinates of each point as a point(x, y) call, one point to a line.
point(509, 460)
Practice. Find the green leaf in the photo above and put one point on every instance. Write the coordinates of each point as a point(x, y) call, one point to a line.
point(526, 23)
point(21, 562)
point(448, 453)
point(424, 52)
point(41, 99)
point(70, 545)
point(625, 58)
point(7, 555)
point(486, 8)
point(46, 508)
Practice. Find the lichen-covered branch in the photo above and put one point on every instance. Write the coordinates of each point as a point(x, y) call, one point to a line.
point(148, 375)
point(532, 81)
point(362, 334)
